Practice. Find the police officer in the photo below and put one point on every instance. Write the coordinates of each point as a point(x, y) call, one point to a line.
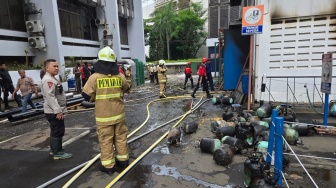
point(202, 79)
point(54, 107)
point(208, 72)
point(162, 77)
point(188, 75)
point(106, 87)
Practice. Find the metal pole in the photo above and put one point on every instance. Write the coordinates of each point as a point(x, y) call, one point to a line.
point(271, 138)
point(279, 121)
point(250, 74)
point(215, 59)
point(325, 114)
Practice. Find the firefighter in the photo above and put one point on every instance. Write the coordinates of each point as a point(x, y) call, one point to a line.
point(202, 80)
point(128, 75)
point(188, 75)
point(106, 87)
point(162, 77)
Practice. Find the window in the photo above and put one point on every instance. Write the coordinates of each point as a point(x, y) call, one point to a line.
point(11, 15)
point(123, 30)
point(77, 20)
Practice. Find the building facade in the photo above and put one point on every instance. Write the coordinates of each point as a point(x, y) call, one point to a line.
point(61, 29)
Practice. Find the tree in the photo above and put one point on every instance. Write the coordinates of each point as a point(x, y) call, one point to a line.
point(181, 32)
point(163, 24)
point(189, 31)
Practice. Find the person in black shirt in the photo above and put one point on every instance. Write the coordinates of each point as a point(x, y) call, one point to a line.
point(7, 86)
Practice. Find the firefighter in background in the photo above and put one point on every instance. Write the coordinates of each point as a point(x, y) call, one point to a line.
point(162, 77)
point(151, 72)
point(128, 75)
point(106, 87)
point(188, 75)
point(202, 80)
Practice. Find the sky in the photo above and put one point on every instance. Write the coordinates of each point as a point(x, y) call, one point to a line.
point(147, 2)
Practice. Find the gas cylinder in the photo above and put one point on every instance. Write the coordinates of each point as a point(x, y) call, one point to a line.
point(226, 100)
point(303, 130)
point(253, 118)
point(263, 136)
point(264, 111)
point(225, 131)
point(190, 127)
point(332, 108)
point(220, 123)
point(209, 145)
point(241, 119)
point(223, 155)
point(227, 115)
point(235, 143)
point(258, 129)
point(268, 120)
point(253, 168)
point(244, 132)
point(262, 123)
point(261, 146)
point(268, 181)
point(291, 136)
point(246, 115)
point(217, 99)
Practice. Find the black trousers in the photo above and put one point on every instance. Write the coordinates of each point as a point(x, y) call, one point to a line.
point(204, 83)
point(188, 76)
point(156, 77)
point(10, 88)
point(57, 127)
point(210, 80)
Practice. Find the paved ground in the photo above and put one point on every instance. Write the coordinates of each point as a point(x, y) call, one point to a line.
point(26, 161)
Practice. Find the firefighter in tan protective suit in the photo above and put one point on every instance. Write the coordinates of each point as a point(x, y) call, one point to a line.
point(106, 87)
point(128, 75)
point(161, 69)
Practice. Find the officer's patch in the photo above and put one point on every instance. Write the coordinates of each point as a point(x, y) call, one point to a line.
point(50, 84)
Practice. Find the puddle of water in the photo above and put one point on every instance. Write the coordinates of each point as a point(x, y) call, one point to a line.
point(161, 149)
point(172, 172)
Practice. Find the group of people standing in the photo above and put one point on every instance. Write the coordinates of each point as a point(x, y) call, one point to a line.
point(82, 74)
point(25, 84)
point(157, 74)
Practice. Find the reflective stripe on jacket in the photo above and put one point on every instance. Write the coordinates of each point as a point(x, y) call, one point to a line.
point(108, 93)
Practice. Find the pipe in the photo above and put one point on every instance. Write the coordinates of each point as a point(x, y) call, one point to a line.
point(28, 114)
point(250, 74)
point(87, 104)
point(18, 110)
point(148, 150)
point(129, 135)
point(62, 175)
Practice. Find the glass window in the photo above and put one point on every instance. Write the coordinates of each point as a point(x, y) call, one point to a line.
point(77, 20)
point(123, 30)
point(11, 15)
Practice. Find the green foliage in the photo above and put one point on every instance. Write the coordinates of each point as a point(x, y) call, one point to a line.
point(175, 35)
point(18, 66)
point(66, 76)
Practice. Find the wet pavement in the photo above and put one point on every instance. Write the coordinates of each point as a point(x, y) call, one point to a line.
point(26, 161)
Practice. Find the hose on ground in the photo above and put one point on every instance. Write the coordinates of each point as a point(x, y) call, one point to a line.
point(129, 135)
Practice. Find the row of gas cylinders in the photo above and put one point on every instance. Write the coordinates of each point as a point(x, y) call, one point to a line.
point(175, 134)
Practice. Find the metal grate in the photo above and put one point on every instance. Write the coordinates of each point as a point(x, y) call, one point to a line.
point(298, 43)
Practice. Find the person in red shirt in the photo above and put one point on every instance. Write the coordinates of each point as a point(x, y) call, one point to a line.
point(121, 70)
point(202, 79)
point(188, 75)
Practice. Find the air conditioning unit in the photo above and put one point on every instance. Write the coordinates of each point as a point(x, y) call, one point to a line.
point(36, 42)
point(107, 32)
point(107, 42)
point(99, 22)
point(34, 26)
